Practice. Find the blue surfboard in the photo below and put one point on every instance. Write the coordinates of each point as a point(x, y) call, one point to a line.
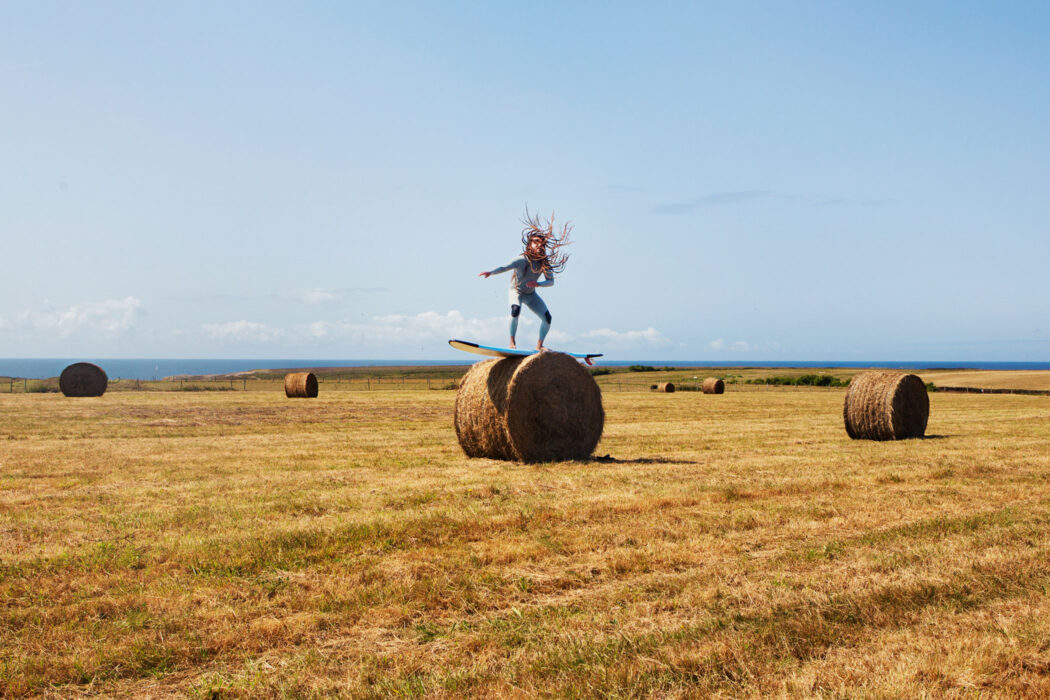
point(492, 351)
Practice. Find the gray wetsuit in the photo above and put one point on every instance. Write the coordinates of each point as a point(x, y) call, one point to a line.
point(526, 271)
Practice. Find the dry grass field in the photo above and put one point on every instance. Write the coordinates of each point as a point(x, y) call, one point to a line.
point(990, 379)
point(240, 544)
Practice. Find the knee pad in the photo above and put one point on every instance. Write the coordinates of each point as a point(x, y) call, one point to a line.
point(547, 315)
point(514, 310)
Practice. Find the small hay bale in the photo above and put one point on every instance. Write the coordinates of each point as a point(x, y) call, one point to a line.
point(886, 405)
point(713, 385)
point(83, 379)
point(300, 385)
point(665, 387)
point(540, 408)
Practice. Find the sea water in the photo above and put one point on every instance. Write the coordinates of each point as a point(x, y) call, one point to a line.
point(152, 368)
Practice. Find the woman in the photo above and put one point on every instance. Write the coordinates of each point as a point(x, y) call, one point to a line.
point(541, 257)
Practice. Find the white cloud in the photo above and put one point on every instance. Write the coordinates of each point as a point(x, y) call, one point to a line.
point(312, 296)
point(650, 337)
point(432, 327)
point(318, 329)
point(743, 346)
point(411, 329)
point(553, 337)
point(111, 315)
point(242, 330)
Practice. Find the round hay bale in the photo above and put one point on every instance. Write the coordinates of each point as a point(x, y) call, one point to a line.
point(665, 387)
point(300, 385)
point(83, 379)
point(886, 405)
point(540, 408)
point(713, 385)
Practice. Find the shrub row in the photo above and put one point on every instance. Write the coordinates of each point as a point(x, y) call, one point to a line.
point(801, 380)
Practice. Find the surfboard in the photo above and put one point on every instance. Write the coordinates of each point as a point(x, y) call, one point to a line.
point(492, 351)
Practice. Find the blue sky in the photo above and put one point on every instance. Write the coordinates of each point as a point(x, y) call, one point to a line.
point(747, 181)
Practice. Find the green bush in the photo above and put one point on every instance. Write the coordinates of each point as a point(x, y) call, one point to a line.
point(599, 371)
point(42, 388)
point(641, 368)
point(801, 380)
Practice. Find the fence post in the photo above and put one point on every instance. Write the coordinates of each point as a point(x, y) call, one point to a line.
point(246, 384)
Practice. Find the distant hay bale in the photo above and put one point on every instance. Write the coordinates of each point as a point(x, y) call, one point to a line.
point(886, 406)
point(665, 387)
point(83, 379)
point(713, 385)
point(300, 385)
point(539, 408)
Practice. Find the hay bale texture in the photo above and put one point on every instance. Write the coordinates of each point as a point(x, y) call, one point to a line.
point(886, 405)
point(713, 385)
point(665, 387)
point(300, 385)
point(83, 379)
point(539, 408)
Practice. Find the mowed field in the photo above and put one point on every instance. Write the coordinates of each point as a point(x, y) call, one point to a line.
point(990, 379)
point(241, 544)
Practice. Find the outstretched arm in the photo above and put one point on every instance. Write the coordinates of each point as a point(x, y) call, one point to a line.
point(499, 270)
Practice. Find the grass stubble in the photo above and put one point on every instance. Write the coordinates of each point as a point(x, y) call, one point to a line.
point(243, 545)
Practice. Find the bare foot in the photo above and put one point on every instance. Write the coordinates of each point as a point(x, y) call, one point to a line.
point(513, 345)
point(539, 346)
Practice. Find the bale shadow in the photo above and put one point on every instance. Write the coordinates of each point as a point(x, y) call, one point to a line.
point(609, 459)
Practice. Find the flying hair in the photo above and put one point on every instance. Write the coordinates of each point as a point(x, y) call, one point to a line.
point(551, 260)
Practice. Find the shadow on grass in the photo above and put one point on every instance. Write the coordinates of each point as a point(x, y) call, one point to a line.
point(609, 459)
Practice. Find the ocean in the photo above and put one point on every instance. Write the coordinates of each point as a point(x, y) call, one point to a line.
point(147, 368)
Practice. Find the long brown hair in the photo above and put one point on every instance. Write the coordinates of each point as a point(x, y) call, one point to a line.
point(551, 260)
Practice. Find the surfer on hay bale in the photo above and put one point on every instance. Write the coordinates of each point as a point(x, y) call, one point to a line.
point(541, 257)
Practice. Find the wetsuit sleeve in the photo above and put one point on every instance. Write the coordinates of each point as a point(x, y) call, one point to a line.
point(509, 266)
point(548, 280)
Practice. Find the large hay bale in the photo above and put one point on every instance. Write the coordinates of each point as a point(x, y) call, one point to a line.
point(539, 408)
point(83, 379)
point(886, 405)
point(300, 385)
point(713, 385)
point(665, 387)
